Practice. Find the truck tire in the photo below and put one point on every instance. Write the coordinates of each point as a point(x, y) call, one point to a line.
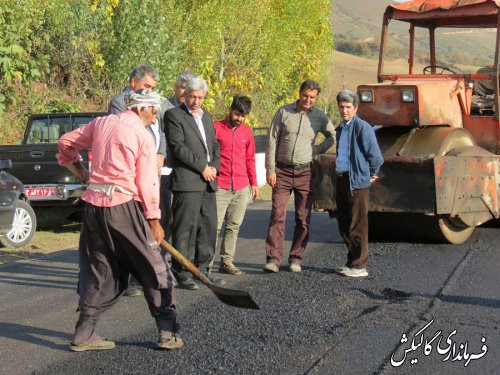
point(424, 144)
point(23, 226)
point(417, 227)
point(450, 230)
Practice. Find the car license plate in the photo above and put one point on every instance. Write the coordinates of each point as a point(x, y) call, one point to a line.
point(39, 192)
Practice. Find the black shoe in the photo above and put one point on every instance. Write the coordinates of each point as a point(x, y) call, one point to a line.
point(213, 279)
point(188, 284)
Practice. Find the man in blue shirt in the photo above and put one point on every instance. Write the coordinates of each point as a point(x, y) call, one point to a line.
point(357, 165)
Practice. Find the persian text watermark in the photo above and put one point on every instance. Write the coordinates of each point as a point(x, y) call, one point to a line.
point(452, 351)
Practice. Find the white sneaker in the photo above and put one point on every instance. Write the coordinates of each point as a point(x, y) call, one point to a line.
point(295, 267)
point(271, 267)
point(354, 272)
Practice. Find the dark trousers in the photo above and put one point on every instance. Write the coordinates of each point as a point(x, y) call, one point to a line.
point(298, 181)
point(115, 242)
point(194, 229)
point(352, 216)
point(165, 204)
point(165, 207)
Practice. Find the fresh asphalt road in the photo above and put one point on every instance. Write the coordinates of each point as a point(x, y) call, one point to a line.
point(315, 322)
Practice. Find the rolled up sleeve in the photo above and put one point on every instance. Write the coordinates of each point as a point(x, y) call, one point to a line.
point(71, 143)
point(147, 182)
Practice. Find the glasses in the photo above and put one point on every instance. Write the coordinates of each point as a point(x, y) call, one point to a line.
point(153, 110)
point(196, 98)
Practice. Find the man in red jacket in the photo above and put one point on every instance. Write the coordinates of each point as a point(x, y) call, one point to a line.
point(237, 154)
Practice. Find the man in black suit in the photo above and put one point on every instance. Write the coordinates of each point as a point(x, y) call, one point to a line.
point(165, 193)
point(195, 158)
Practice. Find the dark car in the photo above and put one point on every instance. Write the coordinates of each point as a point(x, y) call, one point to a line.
point(17, 218)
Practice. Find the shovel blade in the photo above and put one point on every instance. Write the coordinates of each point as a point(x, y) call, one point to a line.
point(231, 297)
point(234, 297)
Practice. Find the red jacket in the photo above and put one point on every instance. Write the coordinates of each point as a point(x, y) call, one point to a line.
point(237, 156)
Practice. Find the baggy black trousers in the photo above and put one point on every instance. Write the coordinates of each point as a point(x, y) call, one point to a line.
point(115, 242)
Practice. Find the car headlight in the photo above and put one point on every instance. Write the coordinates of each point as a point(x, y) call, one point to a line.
point(366, 96)
point(408, 96)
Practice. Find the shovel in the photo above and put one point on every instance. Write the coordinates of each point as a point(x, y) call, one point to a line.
point(232, 297)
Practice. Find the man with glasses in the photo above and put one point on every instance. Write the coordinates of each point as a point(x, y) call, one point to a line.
point(121, 223)
point(165, 193)
point(195, 162)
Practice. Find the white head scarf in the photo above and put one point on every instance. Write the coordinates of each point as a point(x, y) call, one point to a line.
point(143, 98)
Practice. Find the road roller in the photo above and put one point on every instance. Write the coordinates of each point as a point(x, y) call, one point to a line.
point(438, 129)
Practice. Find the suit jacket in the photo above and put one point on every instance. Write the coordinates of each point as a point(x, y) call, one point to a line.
point(117, 106)
point(173, 101)
point(189, 155)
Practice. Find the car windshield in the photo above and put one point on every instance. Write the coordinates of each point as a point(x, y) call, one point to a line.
point(48, 130)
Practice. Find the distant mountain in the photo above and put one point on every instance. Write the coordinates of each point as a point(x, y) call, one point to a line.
point(357, 25)
point(359, 19)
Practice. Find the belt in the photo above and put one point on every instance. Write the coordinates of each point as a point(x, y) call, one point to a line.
point(293, 166)
point(108, 189)
point(342, 174)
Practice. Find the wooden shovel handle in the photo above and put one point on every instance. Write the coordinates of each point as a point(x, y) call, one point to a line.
point(169, 248)
point(185, 262)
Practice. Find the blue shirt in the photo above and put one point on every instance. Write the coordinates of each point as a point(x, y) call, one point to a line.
point(342, 164)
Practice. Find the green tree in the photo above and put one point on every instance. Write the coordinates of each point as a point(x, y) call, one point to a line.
point(56, 55)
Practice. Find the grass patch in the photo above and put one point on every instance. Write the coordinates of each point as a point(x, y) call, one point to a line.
point(54, 233)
